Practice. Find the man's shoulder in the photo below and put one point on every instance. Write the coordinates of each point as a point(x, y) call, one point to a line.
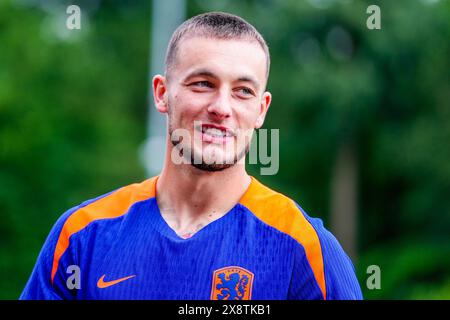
point(111, 205)
point(270, 205)
point(118, 201)
point(282, 213)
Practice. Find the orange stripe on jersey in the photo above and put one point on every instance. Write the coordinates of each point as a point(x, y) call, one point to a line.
point(283, 214)
point(111, 206)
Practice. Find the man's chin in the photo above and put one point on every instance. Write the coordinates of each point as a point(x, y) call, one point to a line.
point(214, 167)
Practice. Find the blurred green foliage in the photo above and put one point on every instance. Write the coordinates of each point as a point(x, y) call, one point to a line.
point(73, 109)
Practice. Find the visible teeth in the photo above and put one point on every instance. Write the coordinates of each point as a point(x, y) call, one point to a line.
point(214, 132)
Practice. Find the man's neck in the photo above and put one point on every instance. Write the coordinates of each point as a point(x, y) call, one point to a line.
point(190, 198)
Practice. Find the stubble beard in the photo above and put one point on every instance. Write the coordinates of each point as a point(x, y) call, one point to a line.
point(204, 165)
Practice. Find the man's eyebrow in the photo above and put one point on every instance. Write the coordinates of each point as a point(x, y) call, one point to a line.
point(200, 73)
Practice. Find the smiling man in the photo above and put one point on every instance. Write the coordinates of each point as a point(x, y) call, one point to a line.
point(203, 228)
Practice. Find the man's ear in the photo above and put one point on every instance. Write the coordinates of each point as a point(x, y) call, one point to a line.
point(160, 93)
point(264, 107)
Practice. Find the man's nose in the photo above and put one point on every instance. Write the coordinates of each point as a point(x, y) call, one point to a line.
point(220, 108)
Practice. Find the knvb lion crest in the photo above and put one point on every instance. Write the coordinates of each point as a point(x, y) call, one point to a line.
point(232, 283)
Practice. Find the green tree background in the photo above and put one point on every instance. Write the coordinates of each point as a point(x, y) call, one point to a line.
point(73, 108)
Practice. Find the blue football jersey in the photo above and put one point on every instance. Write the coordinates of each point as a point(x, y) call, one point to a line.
point(118, 246)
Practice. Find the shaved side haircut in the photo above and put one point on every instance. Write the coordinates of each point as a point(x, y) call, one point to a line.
point(214, 25)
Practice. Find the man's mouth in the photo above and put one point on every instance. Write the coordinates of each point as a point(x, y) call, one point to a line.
point(215, 134)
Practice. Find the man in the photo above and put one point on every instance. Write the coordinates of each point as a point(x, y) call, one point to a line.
point(203, 228)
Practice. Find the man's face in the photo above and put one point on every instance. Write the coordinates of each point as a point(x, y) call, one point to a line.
point(216, 93)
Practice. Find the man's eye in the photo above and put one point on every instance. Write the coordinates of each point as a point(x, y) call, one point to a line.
point(246, 91)
point(203, 84)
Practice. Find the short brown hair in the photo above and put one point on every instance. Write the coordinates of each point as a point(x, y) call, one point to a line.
point(219, 25)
